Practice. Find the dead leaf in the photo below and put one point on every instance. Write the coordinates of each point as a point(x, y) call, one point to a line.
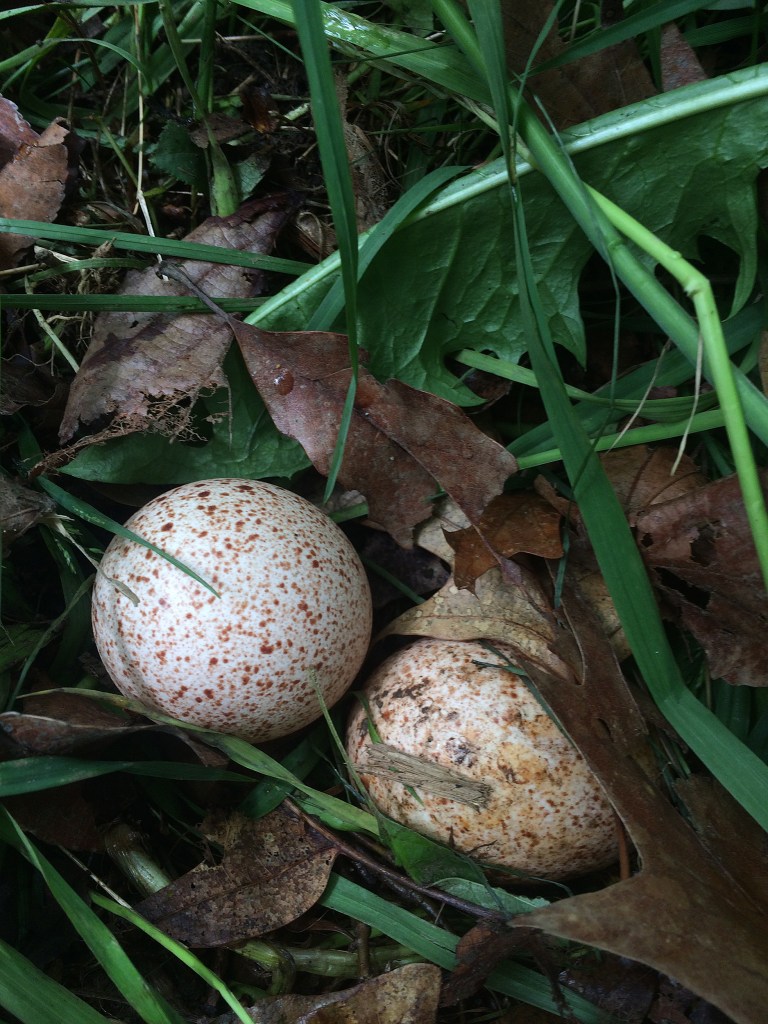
point(511, 524)
point(642, 476)
point(22, 383)
point(272, 871)
point(700, 549)
point(140, 366)
point(21, 508)
point(406, 995)
point(479, 951)
point(402, 442)
point(575, 92)
point(32, 180)
point(15, 132)
point(678, 61)
point(519, 615)
point(67, 821)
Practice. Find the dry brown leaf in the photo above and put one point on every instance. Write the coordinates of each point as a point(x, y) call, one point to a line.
point(68, 820)
point(678, 61)
point(519, 615)
point(140, 366)
point(511, 524)
point(700, 549)
point(400, 443)
point(575, 92)
point(683, 914)
point(33, 176)
point(407, 995)
point(21, 508)
point(272, 871)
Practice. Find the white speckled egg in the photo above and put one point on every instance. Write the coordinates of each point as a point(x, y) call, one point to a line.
point(293, 616)
point(533, 804)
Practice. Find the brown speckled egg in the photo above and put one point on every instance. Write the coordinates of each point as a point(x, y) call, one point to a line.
point(495, 777)
point(293, 616)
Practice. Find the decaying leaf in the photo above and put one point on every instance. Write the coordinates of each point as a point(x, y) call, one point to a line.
point(33, 176)
point(575, 92)
point(402, 442)
point(140, 367)
point(272, 871)
point(21, 508)
point(700, 548)
point(520, 615)
point(407, 995)
point(511, 524)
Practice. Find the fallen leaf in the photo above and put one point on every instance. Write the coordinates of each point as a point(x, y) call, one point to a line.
point(67, 821)
point(406, 995)
point(402, 443)
point(511, 524)
point(32, 178)
point(479, 951)
point(272, 871)
point(683, 914)
point(142, 369)
point(520, 615)
point(21, 508)
point(700, 549)
point(643, 476)
point(577, 91)
point(677, 59)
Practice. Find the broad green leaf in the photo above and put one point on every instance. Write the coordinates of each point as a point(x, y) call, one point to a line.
point(34, 998)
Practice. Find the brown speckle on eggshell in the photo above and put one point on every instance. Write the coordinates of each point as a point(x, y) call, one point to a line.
point(454, 706)
point(293, 615)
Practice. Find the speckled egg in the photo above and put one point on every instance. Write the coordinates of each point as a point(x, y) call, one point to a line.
point(482, 766)
point(293, 615)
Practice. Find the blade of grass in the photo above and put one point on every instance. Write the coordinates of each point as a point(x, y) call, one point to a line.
point(179, 950)
point(172, 247)
point(331, 144)
point(150, 1006)
point(34, 998)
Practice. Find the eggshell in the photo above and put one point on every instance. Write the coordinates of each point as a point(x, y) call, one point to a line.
point(544, 811)
point(293, 616)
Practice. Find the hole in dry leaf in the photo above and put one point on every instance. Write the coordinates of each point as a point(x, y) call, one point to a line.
point(703, 549)
point(692, 594)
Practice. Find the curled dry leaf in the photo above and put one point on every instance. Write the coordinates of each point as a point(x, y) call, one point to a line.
point(140, 367)
point(402, 442)
point(407, 995)
point(510, 525)
point(272, 871)
point(33, 176)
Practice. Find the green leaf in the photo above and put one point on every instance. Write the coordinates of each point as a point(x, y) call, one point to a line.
point(176, 154)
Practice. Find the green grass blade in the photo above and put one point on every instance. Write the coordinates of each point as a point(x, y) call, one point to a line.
point(150, 1006)
point(180, 951)
point(175, 248)
point(34, 998)
point(338, 182)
